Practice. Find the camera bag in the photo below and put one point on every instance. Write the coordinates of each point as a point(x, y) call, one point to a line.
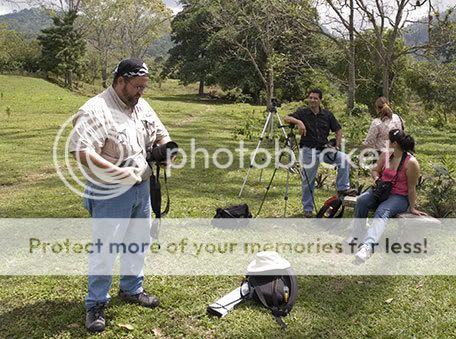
point(276, 292)
point(239, 216)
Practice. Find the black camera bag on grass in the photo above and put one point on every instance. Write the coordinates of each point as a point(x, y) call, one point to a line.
point(276, 292)
point(239, 213)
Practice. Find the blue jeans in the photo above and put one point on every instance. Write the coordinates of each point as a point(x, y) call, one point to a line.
point(129, 223)
point(310, 160)
point(395, 204)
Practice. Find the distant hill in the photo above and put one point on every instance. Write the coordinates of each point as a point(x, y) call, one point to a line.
point(417, 33)
point(28, 21)
point(32, 21)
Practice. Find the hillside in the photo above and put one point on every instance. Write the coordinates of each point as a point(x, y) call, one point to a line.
point(417, 33)
point(28, 21)
point(32, 21)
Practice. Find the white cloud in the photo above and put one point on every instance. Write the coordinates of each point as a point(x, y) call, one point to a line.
point(174, 5)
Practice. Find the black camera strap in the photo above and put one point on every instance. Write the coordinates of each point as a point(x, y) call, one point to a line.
point(155, 193)
point(393, 181)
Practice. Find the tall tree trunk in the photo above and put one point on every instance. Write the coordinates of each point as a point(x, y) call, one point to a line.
point(201, 88)
point(351, 63)
point(69, 79)
point(386, 79)
point(270, 88)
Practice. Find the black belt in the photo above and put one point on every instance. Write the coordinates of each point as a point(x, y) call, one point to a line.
point(318, 148)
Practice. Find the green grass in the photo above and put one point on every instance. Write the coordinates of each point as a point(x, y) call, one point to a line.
point(327, 306)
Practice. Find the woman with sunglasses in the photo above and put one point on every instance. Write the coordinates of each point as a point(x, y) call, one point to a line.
point(402, 169)
point(377, 136)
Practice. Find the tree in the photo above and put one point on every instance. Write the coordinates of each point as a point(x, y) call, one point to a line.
point(344, 11)
point(62, 48)
point(260, 31)
point(142, 22)
point(386, 19)
point(16, 52)
point(191, 58)
point(442, 38)
point(435, 84)
point(370, 73)
point(100, 21)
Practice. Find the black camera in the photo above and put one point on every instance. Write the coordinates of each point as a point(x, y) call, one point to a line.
point(276, 102)
point(162, 153)
point(382, 190)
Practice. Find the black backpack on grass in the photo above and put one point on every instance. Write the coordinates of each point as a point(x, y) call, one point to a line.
point(276, 292)
point(238, 216)
point(331, 207)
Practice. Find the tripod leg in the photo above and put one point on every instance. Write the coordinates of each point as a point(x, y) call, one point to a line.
point(269, 138)
point(255, 152)
point(280, 124)
point(272, 178)
point(271, 128)
point(267, 190)
point(286, 194)
point(289, 141)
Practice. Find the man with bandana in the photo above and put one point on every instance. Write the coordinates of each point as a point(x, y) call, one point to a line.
point(112, 133)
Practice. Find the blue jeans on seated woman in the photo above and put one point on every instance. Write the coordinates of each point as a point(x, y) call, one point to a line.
point(392, 206)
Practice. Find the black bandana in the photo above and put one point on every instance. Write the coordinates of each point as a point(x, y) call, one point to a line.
point(131, 68)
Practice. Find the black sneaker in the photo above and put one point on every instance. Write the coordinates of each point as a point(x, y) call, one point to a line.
point(308, 214)
point(142, 299)
point(95, 321)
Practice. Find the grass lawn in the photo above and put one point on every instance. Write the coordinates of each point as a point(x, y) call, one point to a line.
point(31, 112)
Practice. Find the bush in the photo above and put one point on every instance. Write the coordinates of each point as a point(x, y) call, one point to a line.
point(249, 127)
point(356, 135)
point(439, 189)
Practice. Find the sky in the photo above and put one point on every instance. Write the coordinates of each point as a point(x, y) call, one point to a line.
point(174, 5)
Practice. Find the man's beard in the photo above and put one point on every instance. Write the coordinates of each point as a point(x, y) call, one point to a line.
point(129, 100)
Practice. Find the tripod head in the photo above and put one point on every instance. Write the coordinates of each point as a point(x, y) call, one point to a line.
point(274, 104)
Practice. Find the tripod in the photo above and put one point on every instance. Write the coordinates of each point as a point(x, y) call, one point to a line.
point(290, 142)
point(269, 123)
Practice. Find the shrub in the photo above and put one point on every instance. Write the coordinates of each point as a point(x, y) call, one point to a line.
point(440, 190)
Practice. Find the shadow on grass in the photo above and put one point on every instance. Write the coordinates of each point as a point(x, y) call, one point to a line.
point(190, 98)
point(339, 302)
point(44, 319)
point(326, 307)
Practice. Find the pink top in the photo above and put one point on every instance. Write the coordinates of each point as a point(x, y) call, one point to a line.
point(377, 137)
point(400, 187)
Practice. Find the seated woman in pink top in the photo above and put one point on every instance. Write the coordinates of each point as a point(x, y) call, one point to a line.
point(402, 197)
point(377, 136)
